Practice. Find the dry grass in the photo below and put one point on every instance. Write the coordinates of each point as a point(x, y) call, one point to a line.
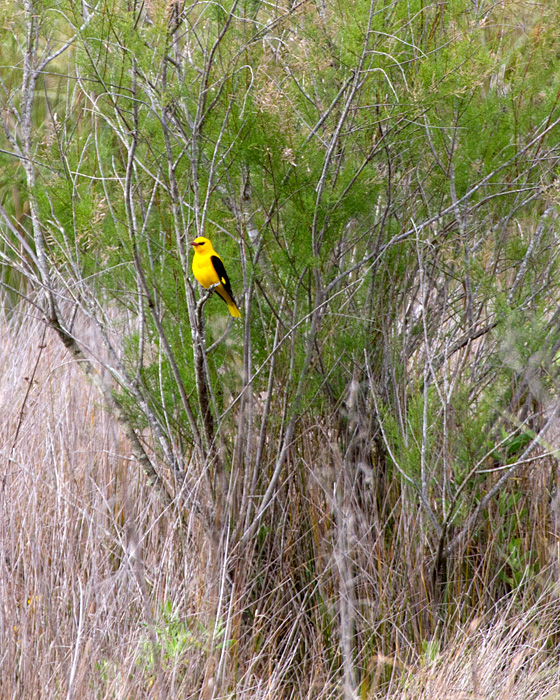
point(77, 600)
point(511, 656)
point(104, 596)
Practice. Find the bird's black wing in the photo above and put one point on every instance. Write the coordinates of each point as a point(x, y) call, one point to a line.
point(222, 274)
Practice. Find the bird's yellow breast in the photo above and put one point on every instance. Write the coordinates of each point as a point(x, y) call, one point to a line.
point(204, 271)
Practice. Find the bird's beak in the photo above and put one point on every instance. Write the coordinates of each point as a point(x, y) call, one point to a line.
point(194, 244)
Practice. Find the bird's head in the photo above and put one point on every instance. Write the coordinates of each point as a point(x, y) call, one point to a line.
point(202, 245)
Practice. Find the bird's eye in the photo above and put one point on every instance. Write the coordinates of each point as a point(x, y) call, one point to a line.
point(201, 243)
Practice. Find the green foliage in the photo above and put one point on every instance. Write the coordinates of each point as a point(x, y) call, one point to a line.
point(176, 639)
point(431, 651)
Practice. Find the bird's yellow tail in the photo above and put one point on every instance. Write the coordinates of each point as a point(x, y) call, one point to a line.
point(234, 311)
point(226, 296)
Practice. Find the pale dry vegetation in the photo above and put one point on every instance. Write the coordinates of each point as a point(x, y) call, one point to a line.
point(106, 595)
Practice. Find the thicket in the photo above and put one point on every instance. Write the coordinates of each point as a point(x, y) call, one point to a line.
point(366, 461)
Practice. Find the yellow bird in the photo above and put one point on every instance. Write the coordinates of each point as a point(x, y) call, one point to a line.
point(208, 268)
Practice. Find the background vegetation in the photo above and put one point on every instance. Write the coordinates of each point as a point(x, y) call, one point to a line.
point(351, 492)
